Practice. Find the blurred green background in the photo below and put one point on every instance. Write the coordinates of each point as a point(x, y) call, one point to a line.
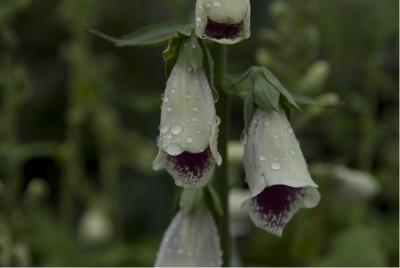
point(79, 120)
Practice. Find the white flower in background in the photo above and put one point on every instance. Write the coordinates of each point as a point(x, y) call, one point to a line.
point(191, 240)
point(223, 21)
point(189, 127)
point(355, 185)
point(276, 172)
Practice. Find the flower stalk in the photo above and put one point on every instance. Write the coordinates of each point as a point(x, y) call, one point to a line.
point(221, 174)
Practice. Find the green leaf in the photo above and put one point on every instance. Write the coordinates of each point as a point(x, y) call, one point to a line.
point(265, 95)
point(248, 109)
point(307, 100)
point(215, 199)
point(275, 82)
point(149, 35)
point(190, 199)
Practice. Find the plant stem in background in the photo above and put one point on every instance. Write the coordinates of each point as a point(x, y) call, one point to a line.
point(221, 175)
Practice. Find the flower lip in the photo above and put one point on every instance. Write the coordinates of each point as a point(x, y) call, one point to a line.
point(222, 30)
point(273, 208)
point(192, 166)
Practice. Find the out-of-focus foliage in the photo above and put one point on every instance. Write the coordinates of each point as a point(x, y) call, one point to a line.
point(79, 118)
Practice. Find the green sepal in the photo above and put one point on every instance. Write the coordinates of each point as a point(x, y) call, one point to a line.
point(214, 198)
point(149, 35)
point(309, 101)
point(265, 95)
point(190, 199)
point(194, 52)
point(170, 54)
point(275, 82)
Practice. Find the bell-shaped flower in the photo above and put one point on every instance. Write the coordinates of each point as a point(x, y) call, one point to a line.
point(189, 127)
point(276, 172)
point(223, 21)
point(191, 240)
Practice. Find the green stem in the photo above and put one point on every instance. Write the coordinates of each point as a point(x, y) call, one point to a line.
point(221, 176)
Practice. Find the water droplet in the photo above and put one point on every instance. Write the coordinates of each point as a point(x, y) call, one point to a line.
point(189, 140)
point(172, 90)
point(174, 149)
point(193, 46)
point(292, 151)
point(166, 99)
point(275, 165)
point(198, 96)
point(176, 129)
point(180, 251)
point(217, 4)
point(217, 120)
point(198, 132)
point(290, 130)
point(169, 109)
point(276, 159)
point(267, 123)
point(188, 96)
point(165, 128)
point(194, 119)
point(169, 137)
point(285, 159)
point(262, 157)
point(275, 136)
point(195, 109)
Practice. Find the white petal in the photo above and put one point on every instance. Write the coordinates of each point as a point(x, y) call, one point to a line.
point(225, 14)
point(191, 240)
point(272, 209)
point(187, 112)
point(273, 155)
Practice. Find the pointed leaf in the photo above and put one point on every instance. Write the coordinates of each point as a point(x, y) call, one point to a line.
point(149, 35)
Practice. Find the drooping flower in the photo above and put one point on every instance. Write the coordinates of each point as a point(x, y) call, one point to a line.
point(276, 172)
point(191, 240)
point(223, 21)
point(189, 127)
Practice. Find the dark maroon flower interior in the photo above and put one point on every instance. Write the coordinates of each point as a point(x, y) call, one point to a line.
point(191, 166)
point(275, 202)
point(222, 30)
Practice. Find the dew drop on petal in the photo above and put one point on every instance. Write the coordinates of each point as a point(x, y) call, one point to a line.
point(290, 130)
point(195, 109)
point(275, 165)
point(165, 128)
point(174, 149)
point(176, 129)
point(169, 137)
point(194, 119)
point(169, 109)
point(217, 120)
point(262, 157)
point(292, 151)
point(266, 123)
point(189, 140)
point(275, 136)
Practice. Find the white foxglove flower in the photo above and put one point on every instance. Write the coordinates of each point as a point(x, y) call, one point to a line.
point(189, 127)
point(191, 240)
point(276, 172)
point(223, 21)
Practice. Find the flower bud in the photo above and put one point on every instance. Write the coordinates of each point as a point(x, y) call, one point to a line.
point(191, 240)
point(223, 21)
point(276, 172)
